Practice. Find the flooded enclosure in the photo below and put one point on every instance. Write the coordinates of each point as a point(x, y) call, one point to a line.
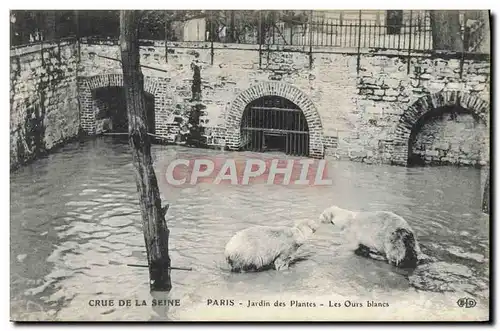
point(110, 106)
point(275, 124)
point(342, 154)
point(76, 224)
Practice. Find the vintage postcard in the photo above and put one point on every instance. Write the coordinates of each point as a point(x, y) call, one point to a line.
point(250, 165)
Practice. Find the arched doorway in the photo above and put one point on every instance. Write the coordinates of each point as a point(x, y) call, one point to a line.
point(448, 135)
point(96, 93)
point(234, 116)
point(444, 103)
point(274, 123)
point(111, 108)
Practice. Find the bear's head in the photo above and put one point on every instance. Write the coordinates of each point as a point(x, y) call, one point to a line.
point(336, 216)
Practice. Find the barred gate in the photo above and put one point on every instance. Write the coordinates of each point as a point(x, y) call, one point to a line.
point(275, 124)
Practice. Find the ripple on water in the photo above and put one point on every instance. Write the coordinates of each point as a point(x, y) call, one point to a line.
point(95, 228)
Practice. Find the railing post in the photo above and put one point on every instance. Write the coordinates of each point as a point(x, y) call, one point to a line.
point(273, 22)
point(232, 26)
point(464, 48)
point(77, 26)
point(165, 16)
point(409, 44)
point(310, 40)
point(40, 22)
point(211, 39)
point(259, 36)
point(358, 62)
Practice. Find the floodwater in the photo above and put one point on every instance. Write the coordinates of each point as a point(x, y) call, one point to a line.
point(75, 225)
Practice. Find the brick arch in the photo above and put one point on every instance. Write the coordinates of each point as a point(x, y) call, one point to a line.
point(112, 80)
point(472, 103)
point(279, 89)
point(156, 86)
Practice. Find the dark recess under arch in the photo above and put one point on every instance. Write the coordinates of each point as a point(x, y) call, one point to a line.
point(273, 123)
point(113, 98)
point(445, 113)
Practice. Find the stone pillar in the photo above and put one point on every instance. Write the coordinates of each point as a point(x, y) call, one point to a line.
point(233, 138)
point(87, 114)
point(161, 108)
point(316, 149)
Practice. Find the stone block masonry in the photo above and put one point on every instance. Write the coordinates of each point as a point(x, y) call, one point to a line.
point(44, 110)
point(366, 116)
point(451, 139)
point(391, 102)
point(234, 79)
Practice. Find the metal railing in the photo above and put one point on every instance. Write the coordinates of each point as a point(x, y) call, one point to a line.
point(34, 26)
point(395, 30)
point(342, 34)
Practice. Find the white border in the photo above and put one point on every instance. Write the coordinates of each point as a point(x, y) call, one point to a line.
point(190, 4)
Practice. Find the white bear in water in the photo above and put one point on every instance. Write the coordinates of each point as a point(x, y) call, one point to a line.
point(266, 247)
point(377, 234)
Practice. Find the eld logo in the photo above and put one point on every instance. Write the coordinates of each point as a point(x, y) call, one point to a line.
point(466, 303)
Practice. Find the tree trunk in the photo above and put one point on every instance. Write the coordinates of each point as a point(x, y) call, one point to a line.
point(394, 21)
point(446, 30)
point(153, 215)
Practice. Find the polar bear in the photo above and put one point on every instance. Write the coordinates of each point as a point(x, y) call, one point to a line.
point(378, 234)
point(266, 247)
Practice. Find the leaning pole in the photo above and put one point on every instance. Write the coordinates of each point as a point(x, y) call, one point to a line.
point(155, 228)
point(486, 195)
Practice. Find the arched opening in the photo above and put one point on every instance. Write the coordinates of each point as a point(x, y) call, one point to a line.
point(273, 123)
point(448, 135)
point(111, 110)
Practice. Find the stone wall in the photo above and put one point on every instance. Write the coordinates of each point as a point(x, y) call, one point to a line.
point(391, 101)
point(450, 139)
point(44, 109)
point(366, 116)
point(235, 69)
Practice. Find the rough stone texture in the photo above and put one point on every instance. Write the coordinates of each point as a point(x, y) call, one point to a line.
point(236, 75)
point(391, 101)
point(443, 277)
point(476, 106)
point(288, 91)
point(88, 106)
point(367, 116)
point(459, 139)
point(43, 99)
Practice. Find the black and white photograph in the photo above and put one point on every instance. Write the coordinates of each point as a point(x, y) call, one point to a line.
point(250, 165)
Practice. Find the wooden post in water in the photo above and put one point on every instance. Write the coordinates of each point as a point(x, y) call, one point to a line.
point(486, 195)
point(153, 214)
